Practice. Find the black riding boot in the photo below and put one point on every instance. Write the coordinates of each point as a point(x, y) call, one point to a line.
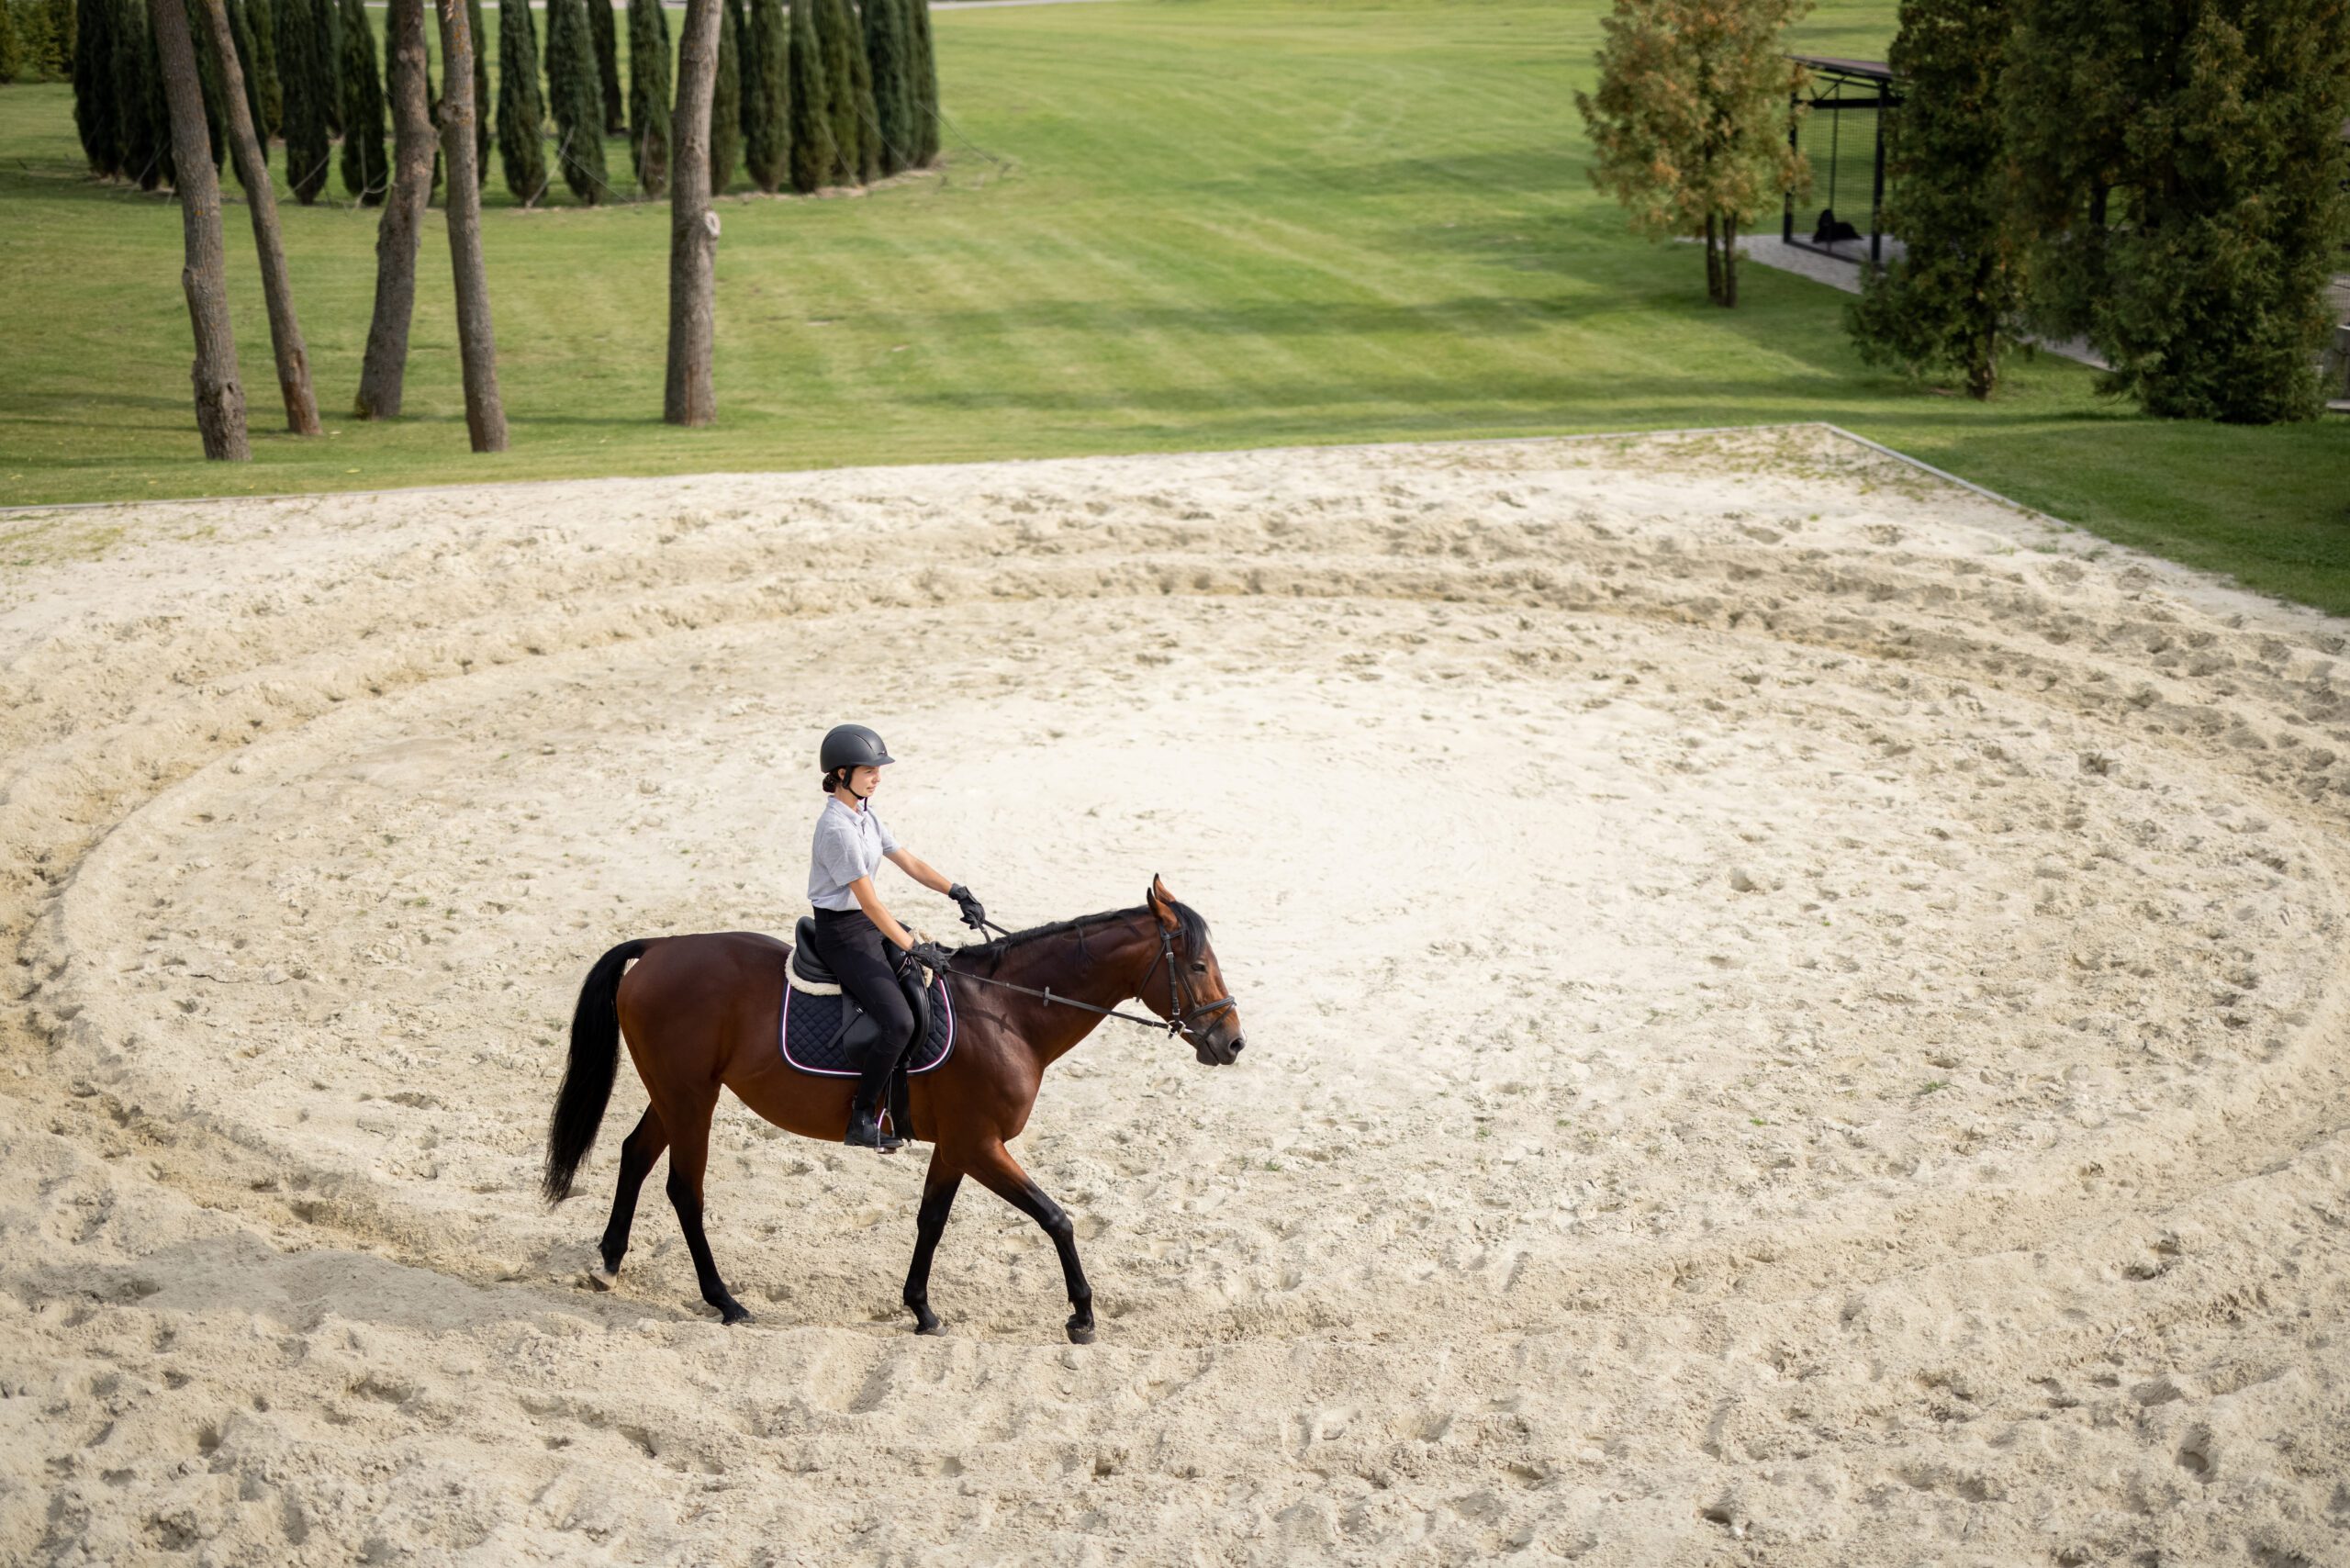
point(865, 1110)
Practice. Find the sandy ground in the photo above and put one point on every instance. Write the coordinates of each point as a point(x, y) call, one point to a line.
point(1796, 1018)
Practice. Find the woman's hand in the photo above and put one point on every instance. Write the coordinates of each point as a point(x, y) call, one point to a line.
point(974, 915)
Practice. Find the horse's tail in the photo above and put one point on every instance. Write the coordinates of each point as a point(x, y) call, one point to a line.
point(587, 1081)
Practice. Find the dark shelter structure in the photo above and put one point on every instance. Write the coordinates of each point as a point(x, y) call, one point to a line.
point(1852, 108)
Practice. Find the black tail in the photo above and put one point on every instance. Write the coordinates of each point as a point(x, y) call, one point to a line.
point(587, 1081)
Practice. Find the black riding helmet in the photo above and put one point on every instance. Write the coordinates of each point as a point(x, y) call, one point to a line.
point(852, 746)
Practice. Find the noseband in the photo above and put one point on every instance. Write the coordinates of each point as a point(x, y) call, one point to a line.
point(1180, 1018)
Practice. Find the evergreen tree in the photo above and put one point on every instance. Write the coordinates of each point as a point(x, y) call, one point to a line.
point(261, 22)
point(366, 165)
point(726, 100)
point(607, 64)
point(1689, 124)
point(36, 28)
point(1949, 303)
point(888, 55)
point(481, 90)
point(2179, 173)
point(302, 76)
point(860, 80)
point(326, 16)
point(522, 112)
point(240, 28)
point(767, 95)
point(142, 148)
point(93, 108)
point(216, 111)
point(845, 73)
point(12, 58)
point(648, 95)
point(576, 99)
point(926, 81)
point(812, 154)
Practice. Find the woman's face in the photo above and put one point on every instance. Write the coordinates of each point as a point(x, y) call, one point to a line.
point(863, 781)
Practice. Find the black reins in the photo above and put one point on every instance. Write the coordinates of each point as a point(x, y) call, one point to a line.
point(1178, 1020)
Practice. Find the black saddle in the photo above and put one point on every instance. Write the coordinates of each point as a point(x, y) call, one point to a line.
point(858, 1036)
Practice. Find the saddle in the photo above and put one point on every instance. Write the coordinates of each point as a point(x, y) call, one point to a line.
point(825, 1033)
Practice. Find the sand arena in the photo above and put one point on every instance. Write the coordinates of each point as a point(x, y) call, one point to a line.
point(1794, 1018)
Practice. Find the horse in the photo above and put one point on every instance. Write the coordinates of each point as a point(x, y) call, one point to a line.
point(701, 1013)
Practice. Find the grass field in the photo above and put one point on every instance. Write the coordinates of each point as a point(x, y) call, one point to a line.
point(1162, 224)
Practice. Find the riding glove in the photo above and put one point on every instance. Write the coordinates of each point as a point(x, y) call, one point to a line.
point(928, 953)
point(974, 915)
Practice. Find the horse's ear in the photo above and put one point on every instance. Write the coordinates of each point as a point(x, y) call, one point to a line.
point(1162, 901)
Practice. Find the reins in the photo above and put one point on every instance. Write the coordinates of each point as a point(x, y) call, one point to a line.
point(1179, 1017)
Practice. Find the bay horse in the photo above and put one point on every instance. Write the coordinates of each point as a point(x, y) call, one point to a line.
point(701, 1013)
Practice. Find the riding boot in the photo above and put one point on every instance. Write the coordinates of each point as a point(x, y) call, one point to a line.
point(864, 1110)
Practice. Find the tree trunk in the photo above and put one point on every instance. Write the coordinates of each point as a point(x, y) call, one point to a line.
point(692, 395)
point(382, 373)
point(1729, 261)
point(485, 415)
point(1713, 262)
point(220, 397)
point(244, 144)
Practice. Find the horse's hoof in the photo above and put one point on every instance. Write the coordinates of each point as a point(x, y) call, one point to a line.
point(934, 1328)
point(1079, 1333)
point(733, 1312)
point(602, 1279)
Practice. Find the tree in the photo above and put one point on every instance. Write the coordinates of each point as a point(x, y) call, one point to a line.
point(277, 288)
point(1950, 301)
point(12, 52)
point(608, 64)
point(219, 396)
point(860, 80)
point(689, 396)
point(575, 98)
point(851, 109)
point(889, 54)
point(365, 169)
point(648, 95)
point(812, 155)
point(1689, 126)
point(146, 146)
point(95, 116)
point(240, 29)
point(260, 20)
point(2180, 173)
point(925, 81)
point(477, 346)
point(522, 112)
point(767, 95)
point(481, 92)
point(303, 77)
point(726, 100)
point(382, 371)
point(326, 16)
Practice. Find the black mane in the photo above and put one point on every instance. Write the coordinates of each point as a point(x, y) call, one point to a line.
point(1193, 929)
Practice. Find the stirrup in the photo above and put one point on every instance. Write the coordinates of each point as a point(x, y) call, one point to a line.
point(865, 1131)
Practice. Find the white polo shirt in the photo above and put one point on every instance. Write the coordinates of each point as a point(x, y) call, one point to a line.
point(849, 844)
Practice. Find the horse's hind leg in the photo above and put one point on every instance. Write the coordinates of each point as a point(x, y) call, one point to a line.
point(938, 1189)
point(637, 1154)
point(1001, 1175)
point(688, 1155)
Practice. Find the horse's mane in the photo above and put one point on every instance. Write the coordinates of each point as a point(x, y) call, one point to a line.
point(1193, 927)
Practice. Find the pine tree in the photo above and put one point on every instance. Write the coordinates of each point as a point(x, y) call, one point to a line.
point(726, 100)
point(261, 22)
point(860, 79)
point(1950, 302)
point(522, 112)
point(608, 64)
point(240, 27)
point(575, 97)
point(2179, 173)
point(1689, 126)
point(482, 127)
point(93, 108)
point(648, 96)
point(366, 165)
point(888, 55)
point(843, 70)
point(925, 81)
point(143, 146)
point(302, 76)
point(767, 95)
point(812, 154)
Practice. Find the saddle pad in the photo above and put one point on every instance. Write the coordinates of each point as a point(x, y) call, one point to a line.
point(811, 1028)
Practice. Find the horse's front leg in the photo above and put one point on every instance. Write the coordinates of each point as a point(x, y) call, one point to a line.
point(938, 1187)
point(1001, 1175)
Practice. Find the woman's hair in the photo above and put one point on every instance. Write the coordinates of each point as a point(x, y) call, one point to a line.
point(834, 779)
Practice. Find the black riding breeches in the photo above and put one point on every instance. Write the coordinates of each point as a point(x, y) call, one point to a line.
point(860, 959)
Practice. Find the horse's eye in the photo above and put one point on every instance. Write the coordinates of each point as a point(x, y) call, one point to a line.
point(1199, 969)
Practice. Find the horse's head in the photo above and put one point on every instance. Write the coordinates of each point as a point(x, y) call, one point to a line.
point(1192, 994)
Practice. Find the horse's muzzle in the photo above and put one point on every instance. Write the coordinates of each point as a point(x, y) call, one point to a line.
point(1217, 1054)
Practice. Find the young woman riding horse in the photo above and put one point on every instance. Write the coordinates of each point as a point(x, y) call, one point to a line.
point(701, 1013)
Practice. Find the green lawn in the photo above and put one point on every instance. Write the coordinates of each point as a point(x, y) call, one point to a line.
point(1163, 225)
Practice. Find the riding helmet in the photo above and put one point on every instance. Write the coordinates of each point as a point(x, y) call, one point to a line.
point(852, 745)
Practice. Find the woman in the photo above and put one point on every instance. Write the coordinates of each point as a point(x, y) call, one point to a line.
point(853, 924)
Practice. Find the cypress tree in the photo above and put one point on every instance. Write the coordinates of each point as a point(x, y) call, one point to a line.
point(607, 64)
point(522, 112)
point(11, 52)
point(93, 108)
point(726, 100)
point(481, 91)
point(241, 27)
point(925, 81)
point(327, 17)
point(844, 74)
point(261, 22)
point(302, 76)
point(811, 152)
point(767, 97)
point(1949, 302)
point(648, 96)
point(142, 150)
point(366, 165)
point(29, 30)
point(860, 78)
point(2179, 173)
point(216, 113)
point(576, 99)
point(888, 55)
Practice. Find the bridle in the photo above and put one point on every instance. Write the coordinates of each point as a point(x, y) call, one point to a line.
point(1179, 1019)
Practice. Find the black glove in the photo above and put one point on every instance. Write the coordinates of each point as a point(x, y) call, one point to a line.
point(929, 953)
point(974, 916)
